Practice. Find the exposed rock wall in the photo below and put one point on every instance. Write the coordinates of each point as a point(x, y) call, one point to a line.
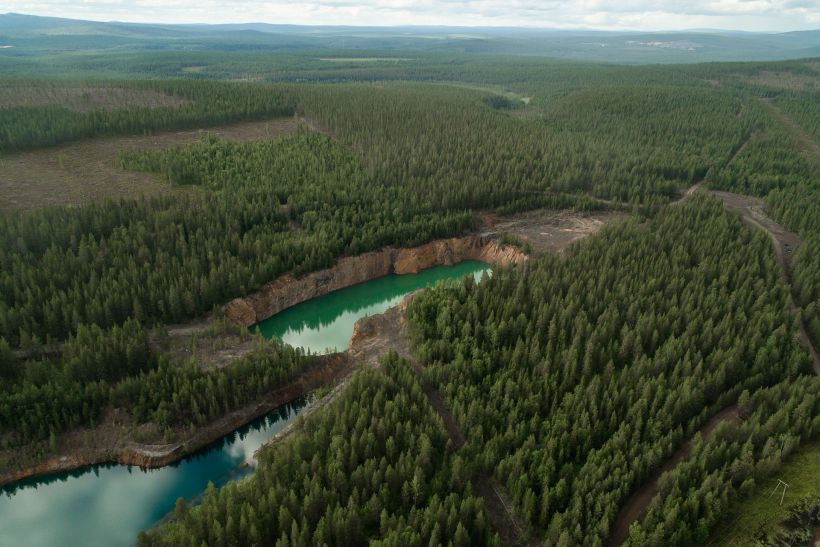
point(287, 291)
point(325, 370)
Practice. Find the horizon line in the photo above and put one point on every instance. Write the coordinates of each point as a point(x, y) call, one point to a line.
point(701, 30)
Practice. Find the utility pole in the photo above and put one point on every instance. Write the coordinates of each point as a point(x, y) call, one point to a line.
point(776, 488)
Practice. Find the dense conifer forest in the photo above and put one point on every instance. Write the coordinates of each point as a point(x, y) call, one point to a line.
point(573, 378)
point(576, 379)
point(376, 466)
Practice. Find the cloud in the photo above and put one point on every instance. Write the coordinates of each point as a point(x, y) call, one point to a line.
point(757, 15)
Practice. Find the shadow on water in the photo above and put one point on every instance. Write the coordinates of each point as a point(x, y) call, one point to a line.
point(326, 322)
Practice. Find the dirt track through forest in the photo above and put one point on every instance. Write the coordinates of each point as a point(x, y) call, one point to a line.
point(803, 140)
point(636, 505)
point(376, 335)
point(783, 242)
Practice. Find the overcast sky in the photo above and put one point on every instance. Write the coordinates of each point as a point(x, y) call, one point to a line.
point(758, 15)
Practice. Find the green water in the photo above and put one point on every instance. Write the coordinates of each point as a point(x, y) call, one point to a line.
point(108, 505)
point(326, 323)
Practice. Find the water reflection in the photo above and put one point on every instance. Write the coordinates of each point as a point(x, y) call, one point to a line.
point(110, 504)
point(107, 505)
point(326, 323)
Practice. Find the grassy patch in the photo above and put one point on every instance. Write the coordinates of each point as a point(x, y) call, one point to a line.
point(762, 510)
point(364, 59)
point(87, 171)
point(84, 98)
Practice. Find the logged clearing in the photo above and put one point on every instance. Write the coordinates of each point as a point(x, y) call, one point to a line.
point(550, 231)
point(87, 171)
point(85, 98)
point(783, 80)
point(364, 59)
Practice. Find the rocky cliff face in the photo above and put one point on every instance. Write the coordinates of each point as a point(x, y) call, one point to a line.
point(287, 291)
point(324, 370)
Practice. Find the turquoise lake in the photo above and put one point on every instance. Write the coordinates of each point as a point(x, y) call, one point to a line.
point(326, 323)
point(108, 505)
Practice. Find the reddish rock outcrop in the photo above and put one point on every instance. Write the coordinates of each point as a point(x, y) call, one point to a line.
point(287, 291)
point(325, 370)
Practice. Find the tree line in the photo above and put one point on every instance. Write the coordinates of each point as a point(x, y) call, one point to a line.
point(374, 466)
point(574, 380)
point(201, 103)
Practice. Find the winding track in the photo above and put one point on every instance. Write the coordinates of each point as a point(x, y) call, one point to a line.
point(783, 242)
point(637, 504)
point(502, 516)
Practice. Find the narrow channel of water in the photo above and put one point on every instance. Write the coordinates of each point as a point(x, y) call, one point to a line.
point(108, 505)
point(326, 323)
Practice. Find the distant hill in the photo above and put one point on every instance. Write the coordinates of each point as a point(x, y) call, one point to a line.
point(26, 35)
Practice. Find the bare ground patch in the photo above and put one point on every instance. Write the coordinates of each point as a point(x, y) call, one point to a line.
point(85, 98)
point(87, 171)
point(550, 231)
point(783, 80)
point(211, 343)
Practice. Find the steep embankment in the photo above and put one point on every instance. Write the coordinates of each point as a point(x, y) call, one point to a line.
point(111, 445)
point(287, 291)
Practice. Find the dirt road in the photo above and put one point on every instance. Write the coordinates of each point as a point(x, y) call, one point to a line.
point(784, 243)
point(803, 140)
point(637, 504)
point(374, 336)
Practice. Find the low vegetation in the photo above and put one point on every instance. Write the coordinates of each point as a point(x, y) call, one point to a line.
point(761, 517)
